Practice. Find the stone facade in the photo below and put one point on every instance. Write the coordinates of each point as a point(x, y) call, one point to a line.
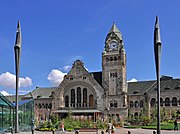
point(81, 91)
point(114, 73)
point(143, 99)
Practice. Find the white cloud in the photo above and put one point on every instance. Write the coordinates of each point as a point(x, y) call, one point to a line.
point(25, 81)
point(21, 92)
point(55, 77)
point(132, 80)
point(5, 93)
point(8, 80)
point(66, 68)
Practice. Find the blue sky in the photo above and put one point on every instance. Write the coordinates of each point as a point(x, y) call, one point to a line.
point(57, 32)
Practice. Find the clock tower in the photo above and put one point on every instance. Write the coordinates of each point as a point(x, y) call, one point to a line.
point(114, 73)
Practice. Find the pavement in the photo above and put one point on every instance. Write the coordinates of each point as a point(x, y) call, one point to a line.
point(118, 131)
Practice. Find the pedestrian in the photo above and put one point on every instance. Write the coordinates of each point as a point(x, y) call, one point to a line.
point(113, 129)
point(109, 128)
point(175, 125)
point(62, 126)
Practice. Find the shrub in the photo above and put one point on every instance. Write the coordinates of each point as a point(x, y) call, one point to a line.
point(145, 120)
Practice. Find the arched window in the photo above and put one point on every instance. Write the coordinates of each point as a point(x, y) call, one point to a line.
point(141, 104)
point(153, 102)
point(161, 101)
point(85, 97)
point(111, 104)
point(111, 58)
point(91, 100)
point(136, 104)
point(67, 101)
point(72, 98)
point(40, 106)
point(167, 102)
point(131, 104)
point(107, 59)
point(136, 114)
point(174, 101)
point(46, 106)
point(79, 96)
point(43, 106)
point(50, 105)
point(115, 103)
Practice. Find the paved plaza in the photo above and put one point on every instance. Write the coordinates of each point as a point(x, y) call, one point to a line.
point(118, 131)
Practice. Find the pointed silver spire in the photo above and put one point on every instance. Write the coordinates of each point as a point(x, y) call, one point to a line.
point(17, 51)
point(157, 53)
point(157, 38)
point(157, 44)
point(18, 36)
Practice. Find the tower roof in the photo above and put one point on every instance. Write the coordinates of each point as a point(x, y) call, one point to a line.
point(115, 30)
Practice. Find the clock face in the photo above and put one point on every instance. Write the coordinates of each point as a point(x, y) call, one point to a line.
point(113, 45)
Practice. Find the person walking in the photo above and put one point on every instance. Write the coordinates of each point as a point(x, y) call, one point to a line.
point(175, 125)
point(109, 128)
point(113, 129)
point(62, 126)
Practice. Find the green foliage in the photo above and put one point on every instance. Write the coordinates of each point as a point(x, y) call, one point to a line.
point(134, 120)
point(55, 121)
point(132, 127)
point(170, 121)
point(46, 126)
point(71, 124)
point(45, 129)
point(164, 126)
point(52, 124)
point(145, 120)
point(173, 113)
point(101, 125)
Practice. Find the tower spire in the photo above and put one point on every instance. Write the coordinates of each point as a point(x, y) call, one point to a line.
point(114, 29)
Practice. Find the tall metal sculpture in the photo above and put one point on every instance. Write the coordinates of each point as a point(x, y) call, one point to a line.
point(17, 50)
point(157, 53)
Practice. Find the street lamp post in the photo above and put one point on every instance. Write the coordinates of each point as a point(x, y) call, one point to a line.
point(157, 53)
point(17, 50)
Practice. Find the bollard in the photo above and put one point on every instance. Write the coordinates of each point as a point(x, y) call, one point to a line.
point(154, 132)
point(11, 128)
point(102, 132)
point(77, 132)
point(32, 126)
point(52, 131)
point(129, 132)
point(32, 131)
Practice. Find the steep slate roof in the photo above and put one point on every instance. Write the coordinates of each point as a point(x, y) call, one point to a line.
point(166, 83)
point(97, 77)
point(41, 92)
point(139, 87)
